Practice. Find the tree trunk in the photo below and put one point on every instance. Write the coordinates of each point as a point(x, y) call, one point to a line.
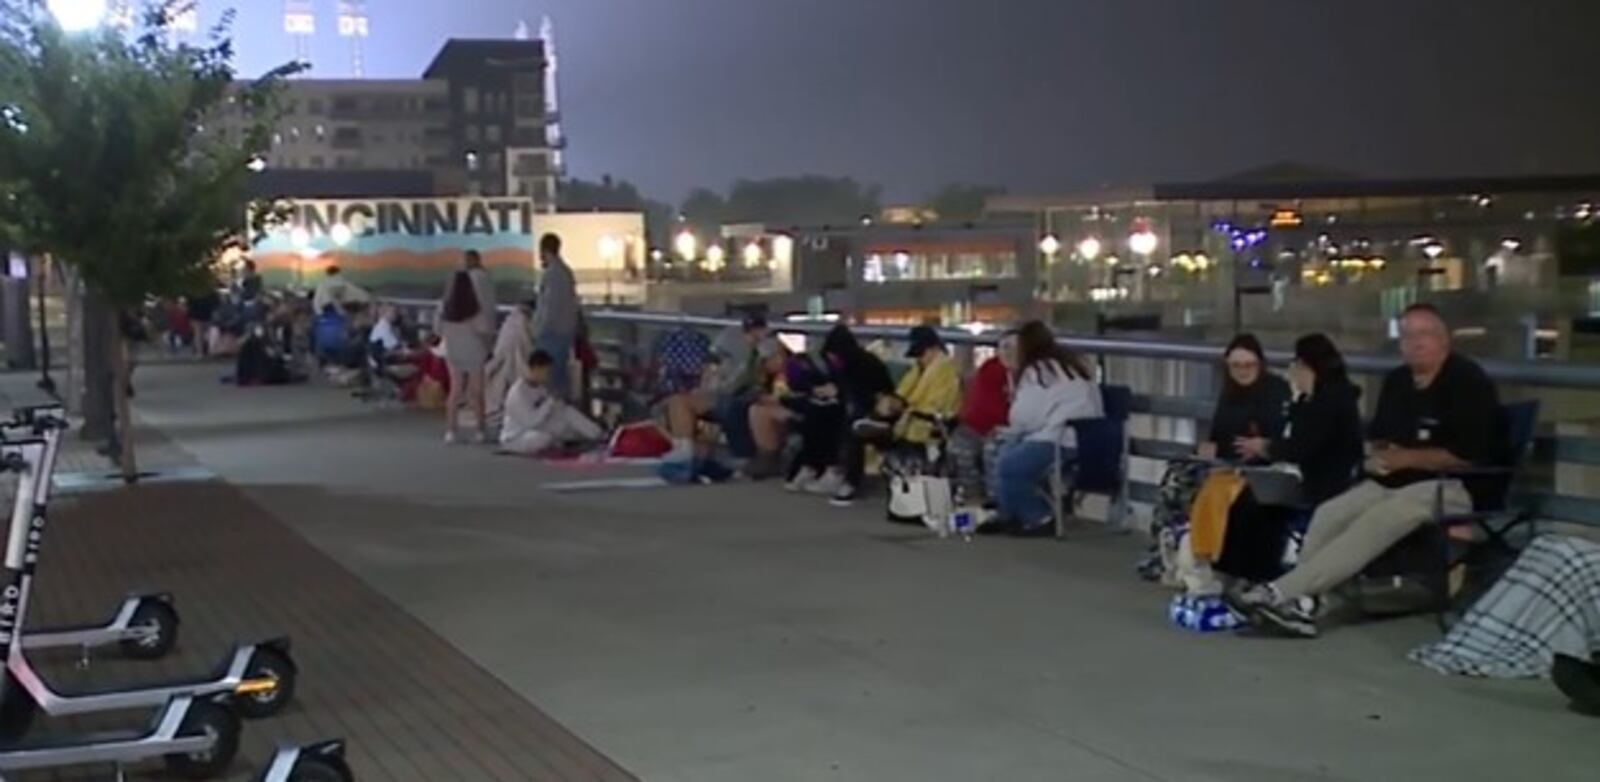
point(72, 396)
point(120, 381)
point(100, 334)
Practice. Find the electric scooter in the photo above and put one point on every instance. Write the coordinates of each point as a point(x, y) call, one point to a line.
point(143, 627)
point(262, 676)
point(197, 738)
point(320, 762)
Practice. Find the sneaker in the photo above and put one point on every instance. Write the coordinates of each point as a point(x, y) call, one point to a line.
point(871, 427)
point(1245, 602)
point(826, 486)
point(802, 480)
point(1291, 619)
point(844, 497)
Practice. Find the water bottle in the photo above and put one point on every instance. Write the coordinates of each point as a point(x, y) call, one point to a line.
point(963, 522)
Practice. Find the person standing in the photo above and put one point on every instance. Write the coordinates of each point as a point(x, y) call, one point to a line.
point(483, 286)
point(555, 320)
point(1435, 414)
point(466, 348)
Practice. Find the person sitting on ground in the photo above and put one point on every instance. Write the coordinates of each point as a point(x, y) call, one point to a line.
point(731, 385)
point(262, 361)
point(1054, 387)
point(975, 443)
point(537, 420)
point(927, 396)
point(1435, 414)
point(1545, 607)
point(769, 416)
point(846, 387)
point(1322, 441)
point(333, 289)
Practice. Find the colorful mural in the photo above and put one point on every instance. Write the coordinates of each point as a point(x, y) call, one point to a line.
point(381, 243)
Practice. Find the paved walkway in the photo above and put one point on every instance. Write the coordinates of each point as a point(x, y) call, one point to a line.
point(411, 706)
point(737, 633)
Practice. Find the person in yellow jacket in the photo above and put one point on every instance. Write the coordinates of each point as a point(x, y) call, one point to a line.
point(930, 391)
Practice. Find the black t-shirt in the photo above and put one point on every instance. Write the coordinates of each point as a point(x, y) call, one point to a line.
point(1457, 412)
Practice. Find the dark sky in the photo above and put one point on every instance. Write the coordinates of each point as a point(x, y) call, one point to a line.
point(1036, 95)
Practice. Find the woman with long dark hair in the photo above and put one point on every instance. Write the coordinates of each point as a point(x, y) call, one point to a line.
point(852, 381)
point(1322, 440)
point(1054, 387)
point(466, 349)
point(1253, 403)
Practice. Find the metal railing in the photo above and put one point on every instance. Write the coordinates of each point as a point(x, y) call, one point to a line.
point(1174, 386)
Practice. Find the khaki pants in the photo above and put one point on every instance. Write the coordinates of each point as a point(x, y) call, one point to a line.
point(1351, 530)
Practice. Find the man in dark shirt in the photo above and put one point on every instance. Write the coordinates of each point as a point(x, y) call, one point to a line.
point(1435, 414)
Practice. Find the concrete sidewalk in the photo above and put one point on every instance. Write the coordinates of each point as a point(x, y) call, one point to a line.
point(739, 633)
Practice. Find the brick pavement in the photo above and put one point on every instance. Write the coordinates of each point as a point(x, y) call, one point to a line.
point(412, 707)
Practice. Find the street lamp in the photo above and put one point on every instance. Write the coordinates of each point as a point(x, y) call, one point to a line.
point(341, 234)
point(1089, 248)
point(1143, 242)
point(715, 255)
point(752, 255)
point(1433, 250)
point(687, 246)
point(76, 16)
point(1050, 245)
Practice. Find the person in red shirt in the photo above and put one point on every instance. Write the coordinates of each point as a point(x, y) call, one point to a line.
point(984, 413)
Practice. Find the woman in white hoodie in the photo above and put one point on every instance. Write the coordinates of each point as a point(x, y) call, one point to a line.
point(1054, 387)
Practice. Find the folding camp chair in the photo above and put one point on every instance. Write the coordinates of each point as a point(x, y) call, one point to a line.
point(1101, 466)
point(1430, 553)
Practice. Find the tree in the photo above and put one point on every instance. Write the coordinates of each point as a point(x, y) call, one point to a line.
point(804, 200)
point(107, 165)
point(616, 195)
point(704, 208)
point(962, 203)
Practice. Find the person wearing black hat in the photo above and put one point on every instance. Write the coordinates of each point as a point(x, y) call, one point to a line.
point(930, 391)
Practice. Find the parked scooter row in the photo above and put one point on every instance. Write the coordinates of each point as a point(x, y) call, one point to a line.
point(196, 725)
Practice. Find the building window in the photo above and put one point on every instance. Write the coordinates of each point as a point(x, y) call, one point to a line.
point(321, 132)
point(469, 100)
point(491, 162)
point(314, 106)
point(472, 161)
point(318, 162)
point(491, 134)
point(345, 104)
point(470, 134)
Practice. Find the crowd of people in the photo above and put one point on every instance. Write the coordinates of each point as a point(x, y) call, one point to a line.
point(1287, 497)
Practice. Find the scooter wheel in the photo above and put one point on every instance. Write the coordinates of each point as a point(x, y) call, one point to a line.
point(268, 663)
point(218, 723)
point(311, 770)
point(160, 619)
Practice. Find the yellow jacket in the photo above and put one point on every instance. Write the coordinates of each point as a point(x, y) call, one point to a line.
point(932, 391)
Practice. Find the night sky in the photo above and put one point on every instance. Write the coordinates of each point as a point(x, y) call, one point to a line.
point(1035, 95)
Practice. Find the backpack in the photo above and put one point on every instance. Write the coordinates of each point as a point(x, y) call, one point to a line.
point(680, 357)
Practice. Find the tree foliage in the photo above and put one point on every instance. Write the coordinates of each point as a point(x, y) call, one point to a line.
point(961, 202)
point(104, 157)
point(803, 200)
point(615, 195)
